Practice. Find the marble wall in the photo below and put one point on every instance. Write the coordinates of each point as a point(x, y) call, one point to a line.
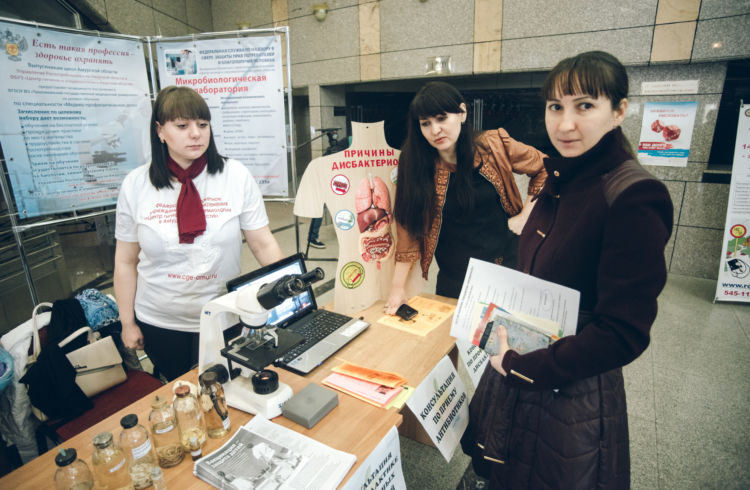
point(516, 40)
point(150, 17)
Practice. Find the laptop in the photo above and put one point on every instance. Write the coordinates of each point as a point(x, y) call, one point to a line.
point(324, 332)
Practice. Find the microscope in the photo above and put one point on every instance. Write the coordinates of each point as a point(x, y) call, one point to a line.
point(252, 388)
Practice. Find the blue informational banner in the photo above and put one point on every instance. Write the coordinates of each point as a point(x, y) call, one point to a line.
point(75, 116)
point(734, 270)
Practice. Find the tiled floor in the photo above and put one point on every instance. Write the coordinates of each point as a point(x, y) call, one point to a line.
point(688, 394)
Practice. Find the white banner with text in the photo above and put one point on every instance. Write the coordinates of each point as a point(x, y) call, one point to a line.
point(242, 82)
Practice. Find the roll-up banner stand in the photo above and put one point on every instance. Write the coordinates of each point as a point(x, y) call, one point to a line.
point(76, 111)
point(733, 283)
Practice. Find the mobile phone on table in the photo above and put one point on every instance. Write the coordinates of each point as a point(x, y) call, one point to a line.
point(406, 312)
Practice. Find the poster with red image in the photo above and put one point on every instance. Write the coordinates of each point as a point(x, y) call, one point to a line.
point(666, 133)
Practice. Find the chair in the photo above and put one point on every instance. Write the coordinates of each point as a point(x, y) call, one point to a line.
point(137, 385)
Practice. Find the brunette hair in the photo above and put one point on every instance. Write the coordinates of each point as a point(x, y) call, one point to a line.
point(594, 73)
point(414, 206)
point(172, 103)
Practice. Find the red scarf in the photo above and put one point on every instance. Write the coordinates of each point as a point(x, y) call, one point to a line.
point(191, 220)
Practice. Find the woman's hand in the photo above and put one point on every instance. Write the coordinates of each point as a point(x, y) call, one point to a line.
point(497, 361)
point(396, 299)
point(517, 222)
point(131, 336)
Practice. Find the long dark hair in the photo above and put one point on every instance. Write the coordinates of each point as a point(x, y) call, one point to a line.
point(594, 73)
point(172, 103)
point(415, 190)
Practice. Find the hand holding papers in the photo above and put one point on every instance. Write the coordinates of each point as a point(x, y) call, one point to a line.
point(535, 312)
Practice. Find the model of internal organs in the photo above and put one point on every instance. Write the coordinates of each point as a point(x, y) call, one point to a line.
point(372, 202)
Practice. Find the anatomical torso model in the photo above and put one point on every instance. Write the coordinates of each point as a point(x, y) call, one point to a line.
point(358, 186)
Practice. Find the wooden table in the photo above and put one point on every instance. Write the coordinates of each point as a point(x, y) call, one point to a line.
point(353, 426)
point(390, 349)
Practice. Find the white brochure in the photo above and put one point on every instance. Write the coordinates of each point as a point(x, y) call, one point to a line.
point(475, 359)
point(382, 468)
point(441, 405)
point(515, 292)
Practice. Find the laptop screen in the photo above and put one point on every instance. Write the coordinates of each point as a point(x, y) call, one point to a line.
point(291, 308)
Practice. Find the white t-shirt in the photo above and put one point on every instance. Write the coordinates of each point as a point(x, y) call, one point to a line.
point(175, 280)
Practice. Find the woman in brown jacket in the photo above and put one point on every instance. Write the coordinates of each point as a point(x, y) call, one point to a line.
point(456, 197)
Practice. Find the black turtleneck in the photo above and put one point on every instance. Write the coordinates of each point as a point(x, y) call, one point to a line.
point(599, 226)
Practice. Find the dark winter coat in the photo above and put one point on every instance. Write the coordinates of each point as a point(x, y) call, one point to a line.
point(559, 419)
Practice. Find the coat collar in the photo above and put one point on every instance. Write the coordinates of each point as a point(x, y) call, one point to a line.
point(603, 157)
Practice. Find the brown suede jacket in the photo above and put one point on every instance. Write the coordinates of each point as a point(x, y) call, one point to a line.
point(499, 156)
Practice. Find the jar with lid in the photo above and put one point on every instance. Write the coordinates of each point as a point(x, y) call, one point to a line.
point(73, 473)
point(164, 433)
point(214, 405)
point(190, 418)
point(136, 444)
point(110, 464)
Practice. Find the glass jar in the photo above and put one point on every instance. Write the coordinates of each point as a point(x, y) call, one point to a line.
point(164, 433)
point(73, 473)
point(110, 464)
point(136, 444)
point(157, 477)
point(214, 405)
point(195, 448)
point(190, 418)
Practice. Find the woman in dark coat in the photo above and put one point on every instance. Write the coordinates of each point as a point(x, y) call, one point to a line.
point(556, 417)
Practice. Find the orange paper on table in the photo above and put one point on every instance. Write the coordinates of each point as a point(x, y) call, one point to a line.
point(385, 378)
point(373, 393)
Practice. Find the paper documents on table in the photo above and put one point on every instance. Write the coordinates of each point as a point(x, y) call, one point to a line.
point(376, 387)
point(262, 454)
point(536, 311)
point(431, 314)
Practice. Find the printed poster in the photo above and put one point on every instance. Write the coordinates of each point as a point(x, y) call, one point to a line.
point(242, 82)
point(666, 133)
point(76, 111)
point(441, 405)
point(382, 469)
point(734, 270)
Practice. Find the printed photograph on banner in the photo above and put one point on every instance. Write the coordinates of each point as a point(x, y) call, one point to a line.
point(666, 133)
point(75, 117)
point(243, 83)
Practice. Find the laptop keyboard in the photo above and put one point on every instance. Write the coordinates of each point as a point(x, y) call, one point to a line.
point(320, 327)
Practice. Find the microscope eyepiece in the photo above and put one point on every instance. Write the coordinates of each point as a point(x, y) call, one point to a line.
point(273, 294)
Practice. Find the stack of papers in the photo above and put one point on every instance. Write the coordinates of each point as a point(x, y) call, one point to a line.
point(265, 455)
point(525, 332)
point(378, 388)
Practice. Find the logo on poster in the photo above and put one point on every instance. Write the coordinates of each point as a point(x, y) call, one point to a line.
point(15, 44)
point(352, 275)
point(340, 184)
point(344, 220)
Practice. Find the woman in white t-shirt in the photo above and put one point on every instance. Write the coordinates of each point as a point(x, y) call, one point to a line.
point(179, 227)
